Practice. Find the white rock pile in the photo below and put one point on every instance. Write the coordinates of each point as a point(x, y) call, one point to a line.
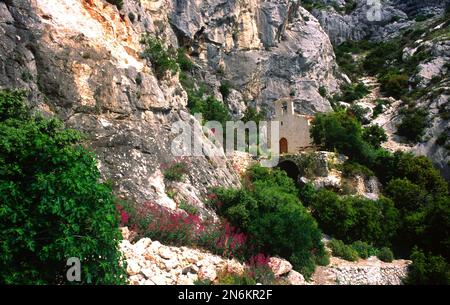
point(152, 263)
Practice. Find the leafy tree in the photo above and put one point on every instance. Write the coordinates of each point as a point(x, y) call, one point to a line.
point(341, 132)
point(268, 209)
point(413, 125)
point(394, 83)
point(353, 218)
point(52, 205)
point(374, 135)
point(428, 269)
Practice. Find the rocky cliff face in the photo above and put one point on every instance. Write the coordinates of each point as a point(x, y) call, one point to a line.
point(266, 49)
point(375, 20)
point(431, 74)
point(80, 60)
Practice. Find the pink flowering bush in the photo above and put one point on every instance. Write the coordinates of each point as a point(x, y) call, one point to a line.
point(183, 229)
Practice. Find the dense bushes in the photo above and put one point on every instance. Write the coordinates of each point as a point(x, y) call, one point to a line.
point(52, 205)
point(394, 83)
point(354, 92)
point(413, 124)
point(418, 191)
point(428, 269)
point(353, 218)
point(374, 135)
point(342, 250)
point(269, 211)
point(342, 132)
point(358, 250)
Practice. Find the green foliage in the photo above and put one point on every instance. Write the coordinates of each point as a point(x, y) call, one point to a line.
point(374, 135)
point(353, 218)
point(351, 169)
point(413, 124)
point(231, 278)
point(225, 88)
point(162, 59)
point(268, 209)
point(359, 113)
point(394, 83)
point(189, 208)
point(52, 204)
point(428, 269)
point(176, 171)
point(342, 250)
point(323, 91)
point(385, 254)
point(118, 3)
point(382, 57)
point(354, 92)
point(380, 103)
point(342, 132)
point(364, 249)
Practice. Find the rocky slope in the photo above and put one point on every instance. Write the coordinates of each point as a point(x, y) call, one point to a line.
point(431, 74)
point(152, 263)
point(80, 60)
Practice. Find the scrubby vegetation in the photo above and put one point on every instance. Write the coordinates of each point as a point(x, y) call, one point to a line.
point(268, 206)
point(352, 218)
point(53, 206)
point(413, 124)
point(415, 209)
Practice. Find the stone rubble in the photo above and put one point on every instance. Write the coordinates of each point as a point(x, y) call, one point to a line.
point(152, 263)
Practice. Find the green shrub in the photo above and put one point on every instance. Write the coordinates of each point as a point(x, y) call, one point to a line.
point(118, 3)
point(385, 254)
point(413, 125)
point(162, 59)
point(353, 218)
point(189, 208)
point(359, 113)
point(354, 92)
point(342, 132)
point(407, 196)
point(364, 249)
point(374, 135)
point(176, 171)
point(383, 56)
point(53, 206)
point(428, 269)
point(379, 107)
point(323, 91)
point(225, 88)
point(267, 207)
point(394, 83)
point(350, 169)
point(342, 250)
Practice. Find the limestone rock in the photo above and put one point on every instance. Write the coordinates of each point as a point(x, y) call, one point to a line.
point(279, 266)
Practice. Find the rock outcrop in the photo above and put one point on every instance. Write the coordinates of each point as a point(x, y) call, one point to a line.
point(267, 50)
point(80, 60)
point(371, 271)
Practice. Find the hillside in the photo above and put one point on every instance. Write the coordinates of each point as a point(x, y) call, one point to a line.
point(92, 97)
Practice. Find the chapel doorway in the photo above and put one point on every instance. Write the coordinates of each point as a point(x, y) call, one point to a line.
point(283, 146)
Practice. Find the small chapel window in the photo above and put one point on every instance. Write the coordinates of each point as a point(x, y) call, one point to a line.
point(284, 108)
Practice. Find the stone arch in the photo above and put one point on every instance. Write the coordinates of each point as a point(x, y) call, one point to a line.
point(290, 168)
point(283, 146)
